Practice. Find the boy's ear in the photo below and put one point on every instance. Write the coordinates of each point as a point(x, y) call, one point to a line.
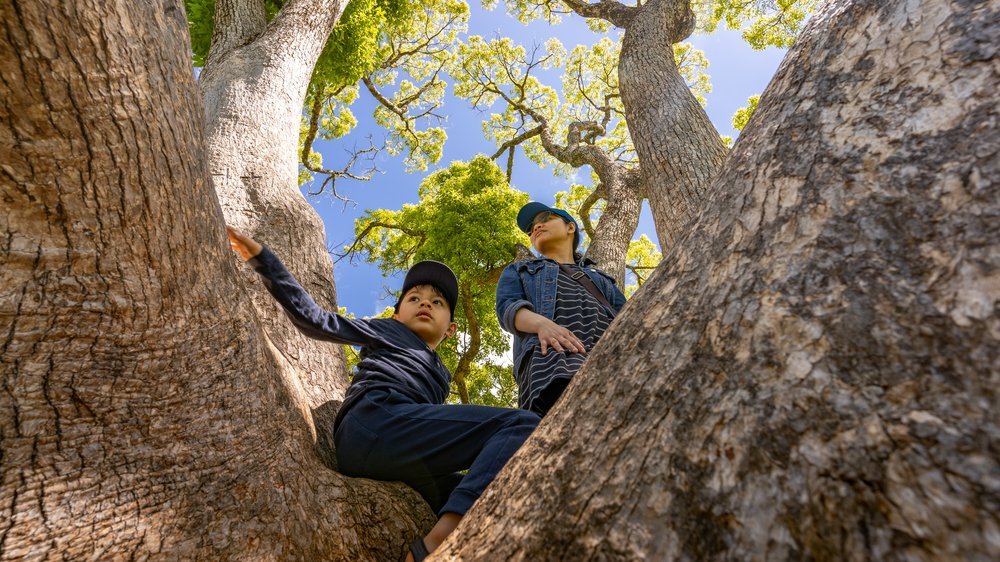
point(452, 328)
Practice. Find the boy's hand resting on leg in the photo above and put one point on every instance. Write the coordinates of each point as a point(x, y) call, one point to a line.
point(245, 246)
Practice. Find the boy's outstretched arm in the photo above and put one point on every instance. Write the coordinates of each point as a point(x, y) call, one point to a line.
point(310, 318)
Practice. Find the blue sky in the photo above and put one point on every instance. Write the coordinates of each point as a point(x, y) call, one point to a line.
point(736, 71)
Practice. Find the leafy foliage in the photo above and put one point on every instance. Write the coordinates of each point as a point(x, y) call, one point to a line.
point(419, 49)
point(352, 50)
point(742, 115)
point(764, 23)
point(201, 21)
point(406, 81)
point(643, 257)
point(349, 52)
point(491, 384)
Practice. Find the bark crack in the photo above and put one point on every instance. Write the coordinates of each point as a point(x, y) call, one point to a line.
point(46, 392)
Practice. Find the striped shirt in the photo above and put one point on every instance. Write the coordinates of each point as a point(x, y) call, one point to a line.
point(578, 311)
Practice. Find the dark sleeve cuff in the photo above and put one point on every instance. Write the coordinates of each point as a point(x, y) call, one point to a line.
point(265, 261)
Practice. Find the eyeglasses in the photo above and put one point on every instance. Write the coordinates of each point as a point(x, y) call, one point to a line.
point(540, 218)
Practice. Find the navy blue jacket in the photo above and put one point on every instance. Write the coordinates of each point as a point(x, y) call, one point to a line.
point(533, 284)
point(392, 356)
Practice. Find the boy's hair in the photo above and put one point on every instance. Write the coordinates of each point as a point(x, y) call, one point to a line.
point(436, 275)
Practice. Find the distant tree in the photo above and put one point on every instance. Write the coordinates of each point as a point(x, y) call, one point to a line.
point(677, 147)
point(465, 218)
point(581, 125)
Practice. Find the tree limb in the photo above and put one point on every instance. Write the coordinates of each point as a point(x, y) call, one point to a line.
point(315, 113)
point(616, 13)
point(600, 192)
point(510, 163)
point(509, 145)
point(358, 240)
point(475, 339)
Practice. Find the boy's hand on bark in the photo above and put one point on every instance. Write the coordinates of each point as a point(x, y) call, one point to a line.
point(245, 246)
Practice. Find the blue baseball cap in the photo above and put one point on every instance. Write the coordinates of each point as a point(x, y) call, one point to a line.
point(436, 274)
point(531, 210)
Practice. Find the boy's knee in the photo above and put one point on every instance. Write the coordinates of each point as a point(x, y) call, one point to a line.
point(527, 419)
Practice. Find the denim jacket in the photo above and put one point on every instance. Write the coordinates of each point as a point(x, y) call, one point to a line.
point(532, 284)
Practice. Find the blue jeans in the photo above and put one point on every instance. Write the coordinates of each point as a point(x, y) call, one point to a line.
point(387, 436)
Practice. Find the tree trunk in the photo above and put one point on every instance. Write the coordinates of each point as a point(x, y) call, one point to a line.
point(678, 147)
point(143, 412)
point(465, 359)
point(610, 240)
point(812, 372)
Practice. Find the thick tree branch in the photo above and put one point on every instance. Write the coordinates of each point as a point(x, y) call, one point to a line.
point(510, 163)
point(615, 12)
point(599, 193)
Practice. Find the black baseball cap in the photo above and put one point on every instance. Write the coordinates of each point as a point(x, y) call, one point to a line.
point(436, 274)
point(531, 210)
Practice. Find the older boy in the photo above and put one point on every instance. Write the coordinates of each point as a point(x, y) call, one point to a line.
point(556, 306)
point(393, 424)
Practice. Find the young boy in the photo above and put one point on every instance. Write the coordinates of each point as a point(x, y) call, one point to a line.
point(393, 424)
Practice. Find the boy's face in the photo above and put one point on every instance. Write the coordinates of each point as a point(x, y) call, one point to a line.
point(425, 312)
point(549, 231)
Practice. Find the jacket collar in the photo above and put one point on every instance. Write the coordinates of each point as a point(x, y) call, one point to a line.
point(584, 261)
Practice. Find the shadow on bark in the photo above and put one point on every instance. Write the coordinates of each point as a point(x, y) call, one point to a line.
point(323, 418)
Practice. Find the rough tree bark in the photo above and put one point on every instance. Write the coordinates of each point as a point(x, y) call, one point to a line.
point(812, 372)
point(623, 193)
point(144, 412)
